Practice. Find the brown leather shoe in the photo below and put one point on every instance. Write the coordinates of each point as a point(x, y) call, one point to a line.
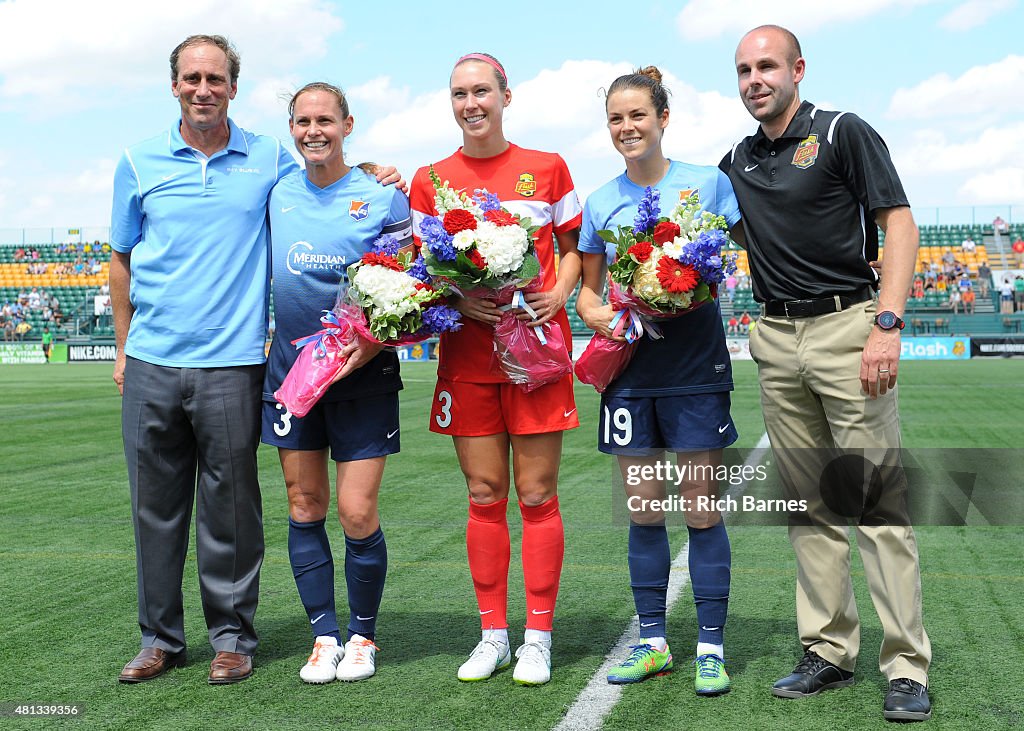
point(230, 667)
point(151, 662)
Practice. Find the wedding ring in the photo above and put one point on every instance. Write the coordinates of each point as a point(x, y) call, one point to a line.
point(883, 370)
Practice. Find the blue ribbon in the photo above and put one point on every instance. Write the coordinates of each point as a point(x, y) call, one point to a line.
point(331, 325)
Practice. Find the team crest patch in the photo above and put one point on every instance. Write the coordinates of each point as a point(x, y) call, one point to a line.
point(684, 194)
point(359, 209)
point(526, 186)
point(806, 152)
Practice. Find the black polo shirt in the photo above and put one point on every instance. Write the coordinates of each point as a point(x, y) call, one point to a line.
point(808, 201)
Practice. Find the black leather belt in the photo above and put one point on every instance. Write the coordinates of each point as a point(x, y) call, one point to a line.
point(811, 308)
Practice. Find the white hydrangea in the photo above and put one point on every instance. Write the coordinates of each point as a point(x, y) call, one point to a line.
point(463, 240)
point(389, 291)
point(502, 247)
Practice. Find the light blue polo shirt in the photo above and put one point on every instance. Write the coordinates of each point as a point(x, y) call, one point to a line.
point(196, 228)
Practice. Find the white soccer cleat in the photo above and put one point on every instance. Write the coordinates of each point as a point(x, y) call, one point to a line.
point(534, 665)
point(360, 661)
point(323, 662)
point(487, 658)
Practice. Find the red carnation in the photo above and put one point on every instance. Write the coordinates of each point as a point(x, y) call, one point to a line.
point(478, 261)
point(641, 251)
point(664, 232)
point(381, 260)
point(501, 218)
point(675, 276)
point(459, 219)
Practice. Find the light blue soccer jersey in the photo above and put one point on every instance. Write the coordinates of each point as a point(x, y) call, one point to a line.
point(316, 233)
point(692, 357)
point(196, 228)
point(615, 202)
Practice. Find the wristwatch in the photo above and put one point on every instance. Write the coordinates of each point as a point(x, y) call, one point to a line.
point(888, 320)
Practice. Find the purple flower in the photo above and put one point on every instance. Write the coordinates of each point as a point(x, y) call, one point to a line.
point(486, 201)
point(437, 240)
point(704, 254)
point(441, 318)
point(647, 212)
point(419, 269)
point(386, 245)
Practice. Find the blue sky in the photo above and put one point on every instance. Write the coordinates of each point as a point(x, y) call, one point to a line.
point(941, 81)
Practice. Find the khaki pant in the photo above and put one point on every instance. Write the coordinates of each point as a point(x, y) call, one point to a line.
point(809, 372)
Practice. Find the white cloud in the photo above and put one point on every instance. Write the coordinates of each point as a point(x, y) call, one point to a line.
point(973, 13)
point(703, 19)
point(376, 96)
point(994, 186)
point(981, 90)
point(49, 46)
point(931, 151)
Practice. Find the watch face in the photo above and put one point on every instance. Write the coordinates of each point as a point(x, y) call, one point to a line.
point(886, 320)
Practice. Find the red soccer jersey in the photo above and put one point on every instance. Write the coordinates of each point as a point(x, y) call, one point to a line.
point(530, 183)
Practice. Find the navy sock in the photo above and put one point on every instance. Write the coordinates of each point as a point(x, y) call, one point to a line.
point(309, 552)
point(710, 560)
point(649, 564)
point(366, 565)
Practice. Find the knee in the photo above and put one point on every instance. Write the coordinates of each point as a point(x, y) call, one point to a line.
point(703, 520)
point(485, 491)
point(358, 522)
point(306, 508)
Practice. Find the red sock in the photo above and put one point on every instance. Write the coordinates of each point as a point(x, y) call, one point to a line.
point(543, 548)
point(487, 544)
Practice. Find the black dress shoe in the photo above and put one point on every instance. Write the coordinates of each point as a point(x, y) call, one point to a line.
point(907, 700)
point(812, 675)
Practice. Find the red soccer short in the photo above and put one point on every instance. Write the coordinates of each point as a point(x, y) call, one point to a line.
point(463, 409)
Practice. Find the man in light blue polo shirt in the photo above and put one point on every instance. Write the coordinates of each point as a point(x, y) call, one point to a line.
point(188, 286)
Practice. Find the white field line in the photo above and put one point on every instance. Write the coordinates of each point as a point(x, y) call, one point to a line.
point(597, 699)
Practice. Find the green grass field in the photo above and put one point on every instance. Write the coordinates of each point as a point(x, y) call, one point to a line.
point(67, 584)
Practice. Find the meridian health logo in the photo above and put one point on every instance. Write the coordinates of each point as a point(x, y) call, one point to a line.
point(301, 258)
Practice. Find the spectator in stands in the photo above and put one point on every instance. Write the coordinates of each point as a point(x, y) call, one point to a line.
point(19, 254)
point(1006, 297)
point(730, 285)
point(967, 296)
point(21, 329)
point(964, 282)
point(984, 279)
point(999, 227)
point(954, 300)
point(33, 299)
point(1018, 249)
point(968, 246)
point(948, 260)
point(930, 272)
point(745, 323)
point(918, 290)
point(734, 325)
point(8, 323)
point(1018, 293)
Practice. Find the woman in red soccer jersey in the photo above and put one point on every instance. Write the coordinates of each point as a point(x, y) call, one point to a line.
point(474, 403)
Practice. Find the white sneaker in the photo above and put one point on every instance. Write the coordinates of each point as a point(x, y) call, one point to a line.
point(487, 658)
point(360, 661)
point(322, 664)
point(534, 666)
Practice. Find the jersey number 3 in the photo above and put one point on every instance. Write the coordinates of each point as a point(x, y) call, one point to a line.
point(444, 416)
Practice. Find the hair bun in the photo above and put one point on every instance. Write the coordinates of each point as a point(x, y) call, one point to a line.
point(650, 71)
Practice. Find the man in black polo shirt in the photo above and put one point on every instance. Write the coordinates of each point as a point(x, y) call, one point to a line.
point(812, 186)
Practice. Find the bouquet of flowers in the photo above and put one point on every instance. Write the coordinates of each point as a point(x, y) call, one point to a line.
point(391, 300)
point(664, 267)
point(479, 249)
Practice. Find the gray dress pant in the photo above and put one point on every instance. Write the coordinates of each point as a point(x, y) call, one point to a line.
point(190, 437)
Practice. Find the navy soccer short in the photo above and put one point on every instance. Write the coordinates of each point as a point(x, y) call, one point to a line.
point(356, 429)
point(641, 425)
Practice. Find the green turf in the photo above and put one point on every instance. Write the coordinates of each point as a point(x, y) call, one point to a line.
point(67, 584)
